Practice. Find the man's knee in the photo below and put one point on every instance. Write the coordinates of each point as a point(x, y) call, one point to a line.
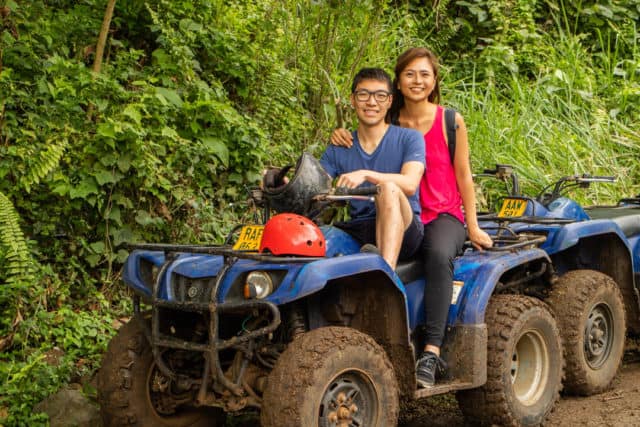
point(388, 187)
point(388, 193)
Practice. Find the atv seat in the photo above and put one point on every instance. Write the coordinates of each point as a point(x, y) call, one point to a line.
point(611, 212)
point(410, 270)
point(407, 270)
point(630, 224)
point(627, 217)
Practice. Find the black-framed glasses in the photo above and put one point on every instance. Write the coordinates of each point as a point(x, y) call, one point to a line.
point(363, 95)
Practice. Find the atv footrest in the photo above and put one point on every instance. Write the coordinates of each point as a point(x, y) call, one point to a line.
point(442, 389)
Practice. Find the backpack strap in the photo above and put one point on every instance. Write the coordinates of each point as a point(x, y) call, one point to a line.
point(451, 126)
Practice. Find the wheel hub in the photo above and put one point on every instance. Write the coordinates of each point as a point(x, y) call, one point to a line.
point(598, 335)
point(344, 413)
point(165, 395)
point(349, 401)
point(530, 367)
point(161, 400)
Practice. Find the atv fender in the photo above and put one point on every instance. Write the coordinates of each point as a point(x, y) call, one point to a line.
point(362, 292)
point(480, 272)
point(314, 276)
point(132, 274)
point(570, 234)
point(603, 247)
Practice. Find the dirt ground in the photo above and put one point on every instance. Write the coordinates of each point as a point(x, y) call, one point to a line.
point(618, 407)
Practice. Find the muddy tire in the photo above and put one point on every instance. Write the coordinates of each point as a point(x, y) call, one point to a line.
point(328, 376)
point(524, 365)
point(591, 316)
point(124, 390)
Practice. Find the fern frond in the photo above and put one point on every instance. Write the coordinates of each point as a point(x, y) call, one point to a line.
point(280, 86)
point(17, 259)
point(44, 162)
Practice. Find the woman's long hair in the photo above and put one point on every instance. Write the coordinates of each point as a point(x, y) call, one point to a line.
point(401, 63)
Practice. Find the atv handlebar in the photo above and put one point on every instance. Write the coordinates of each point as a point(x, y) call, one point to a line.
point(503, 173)
point(589, 178)
point(564, 183)
point(499, 171)
point(371, 190)
point(344, 193)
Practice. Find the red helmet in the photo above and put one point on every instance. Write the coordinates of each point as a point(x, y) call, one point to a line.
point(291, 234)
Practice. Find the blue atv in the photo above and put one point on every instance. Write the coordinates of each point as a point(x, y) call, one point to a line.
point(290, 319)
point(594, 257)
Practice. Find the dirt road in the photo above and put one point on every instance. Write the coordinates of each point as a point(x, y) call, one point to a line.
point(618, 407)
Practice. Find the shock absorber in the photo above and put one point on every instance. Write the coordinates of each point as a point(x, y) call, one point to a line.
point(296, 321)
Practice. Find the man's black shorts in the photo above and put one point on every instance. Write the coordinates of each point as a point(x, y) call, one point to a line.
point(364, 231)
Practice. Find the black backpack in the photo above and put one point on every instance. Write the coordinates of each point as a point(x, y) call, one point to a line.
point(451, 126)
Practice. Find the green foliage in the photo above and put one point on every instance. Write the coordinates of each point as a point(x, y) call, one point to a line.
point(16, 260)
point(195, 97)
point(58, 346)
point(558, 125)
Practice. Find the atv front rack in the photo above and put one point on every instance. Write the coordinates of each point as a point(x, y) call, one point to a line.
point(225, 250)
point(213, 310)
point(505, 239)
point(525, 219)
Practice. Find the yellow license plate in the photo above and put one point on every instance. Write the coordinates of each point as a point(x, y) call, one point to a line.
point(512, 208)
point(250, 238)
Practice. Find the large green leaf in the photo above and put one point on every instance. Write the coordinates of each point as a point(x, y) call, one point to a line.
point(216, 146)
point(86, 187)
point(170, 95)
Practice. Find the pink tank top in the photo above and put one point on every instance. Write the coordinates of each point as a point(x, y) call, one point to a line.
point(438, 188)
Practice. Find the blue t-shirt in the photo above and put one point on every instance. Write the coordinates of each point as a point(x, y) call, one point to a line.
point(398, 146)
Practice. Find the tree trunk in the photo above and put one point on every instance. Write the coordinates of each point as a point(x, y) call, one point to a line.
point(102, 38)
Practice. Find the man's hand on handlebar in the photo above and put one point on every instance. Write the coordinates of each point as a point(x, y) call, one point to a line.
point(352, 179)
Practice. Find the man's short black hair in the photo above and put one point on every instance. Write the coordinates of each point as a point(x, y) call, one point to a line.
point(371, 74)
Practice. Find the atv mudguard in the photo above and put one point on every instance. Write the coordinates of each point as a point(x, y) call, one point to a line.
point(480, 273)
point(570, 234)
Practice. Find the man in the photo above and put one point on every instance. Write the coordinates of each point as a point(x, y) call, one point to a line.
point(385, 155)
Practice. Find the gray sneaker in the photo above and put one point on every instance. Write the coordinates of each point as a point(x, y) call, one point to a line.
point(428, 365)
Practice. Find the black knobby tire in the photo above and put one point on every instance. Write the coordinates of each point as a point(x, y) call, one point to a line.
point(123, 386)
point(524, 365)
point(590, 312)
point(327, 374)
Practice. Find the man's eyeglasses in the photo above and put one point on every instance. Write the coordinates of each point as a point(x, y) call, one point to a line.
point(363, 95)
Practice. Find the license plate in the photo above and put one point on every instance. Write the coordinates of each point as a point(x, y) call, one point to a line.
point(512, 208)
point(250, 238)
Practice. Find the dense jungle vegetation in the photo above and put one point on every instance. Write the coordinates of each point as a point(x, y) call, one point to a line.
point(194, 97)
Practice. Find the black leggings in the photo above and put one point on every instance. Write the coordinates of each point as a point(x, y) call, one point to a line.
point(442, 242)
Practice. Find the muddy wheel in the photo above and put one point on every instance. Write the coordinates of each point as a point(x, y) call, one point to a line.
point(128, 383)
point(524, 365)
point(591, 317)
point(331, 376)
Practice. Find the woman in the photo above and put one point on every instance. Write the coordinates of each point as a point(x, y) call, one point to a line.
point(445, 187)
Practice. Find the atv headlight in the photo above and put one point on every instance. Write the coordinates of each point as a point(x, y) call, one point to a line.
point(258, 285)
